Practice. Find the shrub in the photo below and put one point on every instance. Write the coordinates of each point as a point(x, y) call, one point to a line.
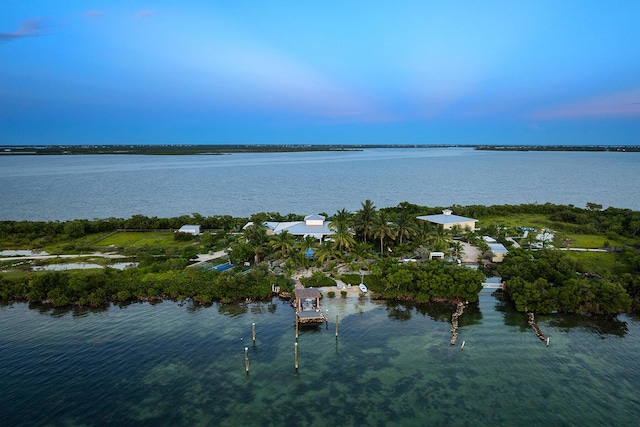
point(331, 294)
point(343, 294)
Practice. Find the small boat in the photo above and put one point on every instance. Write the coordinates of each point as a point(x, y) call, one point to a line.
point(363, 287)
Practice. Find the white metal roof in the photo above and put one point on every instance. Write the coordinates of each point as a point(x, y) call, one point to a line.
point(446, 219)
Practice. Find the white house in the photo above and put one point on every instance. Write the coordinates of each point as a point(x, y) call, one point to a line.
point(447, 220)
point(190, 229)
point(313, 225)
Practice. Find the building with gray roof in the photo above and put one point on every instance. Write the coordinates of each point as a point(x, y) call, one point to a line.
point(313, 225)
point(447, 220)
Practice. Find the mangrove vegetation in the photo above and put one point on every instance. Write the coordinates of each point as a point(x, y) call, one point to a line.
point(587, 260)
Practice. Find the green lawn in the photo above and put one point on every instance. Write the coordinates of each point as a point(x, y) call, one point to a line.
point(129, 239)
point(600, 262)
point(517, 220)
point(590, 241)
point(565, 235)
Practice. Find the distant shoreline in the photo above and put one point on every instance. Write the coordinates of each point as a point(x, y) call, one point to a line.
point(280, 148)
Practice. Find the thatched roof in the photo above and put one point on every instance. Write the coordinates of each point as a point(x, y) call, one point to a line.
point(307, 293)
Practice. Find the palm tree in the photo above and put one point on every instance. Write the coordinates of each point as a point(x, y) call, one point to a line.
point(361, 252)
point(257, 249)
point(439, 238)
point(289, 267)
point(282, 242)
point(406, 226)
point(425, 228)
point(457, 248)
point(342, 217)
point(364, 218)
point(382, 229)
point(256, 237)
point(456, 230)
point(326, 252)
point(342, 236)
point(308, 242)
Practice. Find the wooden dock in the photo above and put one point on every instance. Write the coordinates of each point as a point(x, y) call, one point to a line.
point(307, 305)
point(493, 285)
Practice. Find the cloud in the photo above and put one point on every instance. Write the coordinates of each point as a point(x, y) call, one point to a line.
point(143, 14)
point(28, 28)
point(94, 14)
point(619, 104)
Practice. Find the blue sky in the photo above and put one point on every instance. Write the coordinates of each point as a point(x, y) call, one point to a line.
point(319, 72)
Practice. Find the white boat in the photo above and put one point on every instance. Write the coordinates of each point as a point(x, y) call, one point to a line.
point(363, 287)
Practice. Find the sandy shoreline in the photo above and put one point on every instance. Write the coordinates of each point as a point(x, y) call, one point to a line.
point(353, 291)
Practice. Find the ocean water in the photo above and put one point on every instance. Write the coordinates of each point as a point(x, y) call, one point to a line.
point(102, 186)
point(392, 364)
point(176, 364)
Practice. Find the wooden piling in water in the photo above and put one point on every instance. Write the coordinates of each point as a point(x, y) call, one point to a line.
point(253, 332)
point(296, 327)
point(246, 359)
point(295, 355)
point(336, 326)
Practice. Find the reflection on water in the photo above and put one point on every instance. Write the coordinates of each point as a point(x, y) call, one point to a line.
point(392, 364)
point(602, 325)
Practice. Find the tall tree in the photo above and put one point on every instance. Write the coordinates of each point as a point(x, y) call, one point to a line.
point(342, 217)
point(256, 237)
point(425, 228)
point(326, 252)
point(406, 226)
point(342, 235)
point(439, 238)
point(364, 218)
point(382, 229)
point(457, 249)
point(360, 252)
point(282, 242)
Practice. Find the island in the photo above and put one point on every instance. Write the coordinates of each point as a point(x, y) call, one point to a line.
point(551, 258)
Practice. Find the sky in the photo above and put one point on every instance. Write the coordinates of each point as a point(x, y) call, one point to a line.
point(320, 72)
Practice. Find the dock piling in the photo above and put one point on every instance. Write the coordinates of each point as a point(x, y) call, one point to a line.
point(246, 359)
point(295, 353)
point(336, 326)
point(253, 332)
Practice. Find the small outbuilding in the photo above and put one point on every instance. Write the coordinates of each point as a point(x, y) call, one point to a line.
point(190, 229)
point(498, 250)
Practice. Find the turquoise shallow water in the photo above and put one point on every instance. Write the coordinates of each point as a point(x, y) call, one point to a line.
point(174, 364)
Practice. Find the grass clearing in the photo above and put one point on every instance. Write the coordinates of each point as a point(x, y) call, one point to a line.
point(141, 238)
point(517, 220)
point(602, 263)
point(589, 241)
